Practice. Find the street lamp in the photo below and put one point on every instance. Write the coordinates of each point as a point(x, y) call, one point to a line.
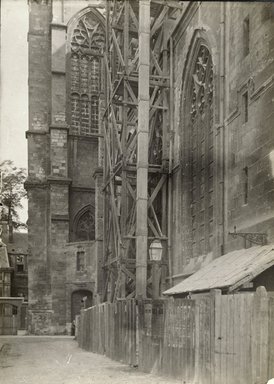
point(155, 255)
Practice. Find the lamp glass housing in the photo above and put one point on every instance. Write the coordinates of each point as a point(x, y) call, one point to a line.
point(155, 250)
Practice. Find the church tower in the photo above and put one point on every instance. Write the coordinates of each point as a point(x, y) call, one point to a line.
point(66, 42)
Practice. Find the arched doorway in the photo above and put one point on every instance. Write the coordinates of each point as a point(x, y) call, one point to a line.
point(80, 299)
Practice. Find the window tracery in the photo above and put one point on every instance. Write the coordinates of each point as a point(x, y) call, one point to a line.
point(86, 46)
point(85, 227)
point(201, 133)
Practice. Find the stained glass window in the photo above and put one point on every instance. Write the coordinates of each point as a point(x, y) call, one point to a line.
point(201, 133)
point(86, 47)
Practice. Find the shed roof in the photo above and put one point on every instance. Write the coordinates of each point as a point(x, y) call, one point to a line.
point(229, 271)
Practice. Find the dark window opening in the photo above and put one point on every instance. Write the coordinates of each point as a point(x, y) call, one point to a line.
point(80, 261)
point(245, 107)
point(245, 185)
point(20, 267)
point(246, 36)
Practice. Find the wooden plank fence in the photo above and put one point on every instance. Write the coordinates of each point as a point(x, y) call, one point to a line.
point(110, 329)
point(208, 339)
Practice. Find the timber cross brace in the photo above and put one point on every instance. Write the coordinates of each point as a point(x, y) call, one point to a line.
point(137, 128)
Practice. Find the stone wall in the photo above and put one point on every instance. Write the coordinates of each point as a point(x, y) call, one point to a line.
point(243, 151)
point(201, 23)
point(250, 143)
point(82, 151)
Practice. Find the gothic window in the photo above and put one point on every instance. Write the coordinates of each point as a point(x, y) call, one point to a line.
point(201, 139)
point(86, 47)
point(85, 227)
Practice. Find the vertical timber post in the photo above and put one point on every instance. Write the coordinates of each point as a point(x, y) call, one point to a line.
point(142, 152)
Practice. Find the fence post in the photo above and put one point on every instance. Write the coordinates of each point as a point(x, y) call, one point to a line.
point(271, 338)
point(137, 332)
point(259, 326)
point(215, 333)
point(77, 327)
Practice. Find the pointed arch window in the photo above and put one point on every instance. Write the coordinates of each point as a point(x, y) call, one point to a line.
point(84, 226)
point(86, 46)
point(200, 117)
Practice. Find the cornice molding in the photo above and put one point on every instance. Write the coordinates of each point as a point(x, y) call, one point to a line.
point(35, 184)
point(58, 217)
point(93, 138)
point(35, 133)
point(76, 188)
point(63, 127)
point(58, 180)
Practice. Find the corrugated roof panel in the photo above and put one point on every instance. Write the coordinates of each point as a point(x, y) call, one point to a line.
point(228, 270)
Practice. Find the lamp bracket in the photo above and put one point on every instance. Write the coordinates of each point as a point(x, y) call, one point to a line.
point(254, 237)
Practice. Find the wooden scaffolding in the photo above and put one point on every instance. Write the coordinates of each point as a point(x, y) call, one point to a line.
point(137, 129)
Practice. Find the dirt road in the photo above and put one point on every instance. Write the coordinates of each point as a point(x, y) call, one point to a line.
point(58, 360)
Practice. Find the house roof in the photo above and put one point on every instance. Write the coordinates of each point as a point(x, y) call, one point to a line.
point(19, 244)
point(229, 271)
point(4, 260)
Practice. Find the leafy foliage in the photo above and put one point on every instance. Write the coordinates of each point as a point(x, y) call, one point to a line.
point(13, 191)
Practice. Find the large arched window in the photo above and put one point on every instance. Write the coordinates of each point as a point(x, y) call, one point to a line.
point(84, 225)
point(200, 128)
point(86, 47)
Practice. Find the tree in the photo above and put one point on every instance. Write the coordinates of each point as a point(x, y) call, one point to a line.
point(13, 192)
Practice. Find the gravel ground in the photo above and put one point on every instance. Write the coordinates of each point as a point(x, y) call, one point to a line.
point(59, 360)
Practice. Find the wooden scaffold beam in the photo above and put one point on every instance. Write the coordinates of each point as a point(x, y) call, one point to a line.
point(136, 135)
point(142, 152)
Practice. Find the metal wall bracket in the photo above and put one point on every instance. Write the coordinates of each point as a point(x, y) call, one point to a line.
point(252, 237)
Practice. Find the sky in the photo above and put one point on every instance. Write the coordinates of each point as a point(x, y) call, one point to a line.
point(14, 84)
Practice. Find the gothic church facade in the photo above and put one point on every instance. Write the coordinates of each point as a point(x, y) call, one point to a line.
point(222, 142)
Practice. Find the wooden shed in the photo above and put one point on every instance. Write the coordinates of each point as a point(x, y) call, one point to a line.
point(243, 269)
